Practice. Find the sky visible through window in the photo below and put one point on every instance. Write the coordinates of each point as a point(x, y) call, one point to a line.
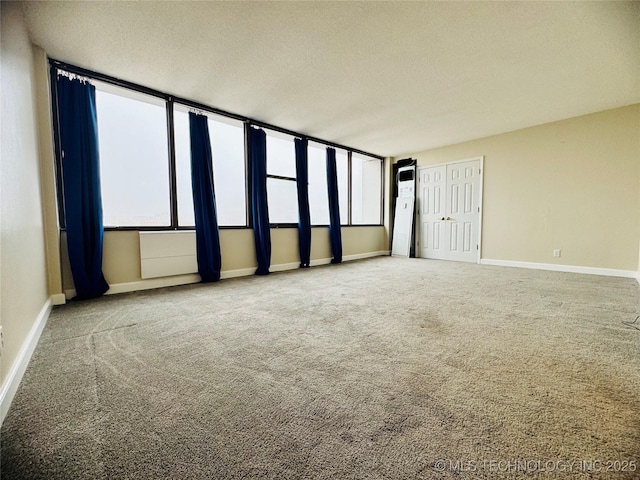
point(134, 164)
point(318, 195)
point(282, 195)
point(366, 184)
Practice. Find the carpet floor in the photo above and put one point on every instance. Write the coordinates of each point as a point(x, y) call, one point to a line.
point(378, 369)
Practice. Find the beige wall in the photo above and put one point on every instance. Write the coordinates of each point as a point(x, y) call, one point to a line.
point(23, 269)
point(359, 240)
point(47, 170)
point(571, 185)
point(121, 259)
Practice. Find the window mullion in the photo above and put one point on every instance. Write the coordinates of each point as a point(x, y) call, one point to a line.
point(350, 184)
point(382, 193)
point(247, 162)
point(57, 146)
point(173, 188)
point(279, 177)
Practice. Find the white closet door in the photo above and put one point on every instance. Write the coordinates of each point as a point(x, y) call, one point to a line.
point(463, 211)
point(450, 211)
point(432, 212)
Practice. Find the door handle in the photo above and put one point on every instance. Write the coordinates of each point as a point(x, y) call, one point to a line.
point(449, 218)
point(443, 218)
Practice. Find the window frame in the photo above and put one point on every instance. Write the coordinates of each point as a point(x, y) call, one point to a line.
point(211, 116)
point(382, 180)
point(281, 177)
point(135, 95)
point(170, 100)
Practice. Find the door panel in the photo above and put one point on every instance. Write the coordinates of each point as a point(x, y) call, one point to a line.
point(453, 237)
point(467, 236)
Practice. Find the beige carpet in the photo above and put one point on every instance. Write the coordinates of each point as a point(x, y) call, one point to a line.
point(379, 369)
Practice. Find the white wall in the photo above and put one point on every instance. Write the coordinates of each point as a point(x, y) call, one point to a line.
point(24, 298)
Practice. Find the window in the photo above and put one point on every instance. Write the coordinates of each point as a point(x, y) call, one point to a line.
point(227, 150)
point(282, 197)
point(366, 190)
point(282, 193)
point(134, 162)
point(318, 195)
point(342, 167)
point(138, 175)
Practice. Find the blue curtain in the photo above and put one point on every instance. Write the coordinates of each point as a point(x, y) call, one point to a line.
point(304, 218)
point(335, 235)
point(204, 200)
point(81, 184)
point(259, 207)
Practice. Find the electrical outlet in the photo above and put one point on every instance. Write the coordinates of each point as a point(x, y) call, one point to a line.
point(556, 253)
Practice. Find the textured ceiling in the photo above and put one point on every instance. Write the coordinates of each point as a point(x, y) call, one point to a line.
point(385, 77)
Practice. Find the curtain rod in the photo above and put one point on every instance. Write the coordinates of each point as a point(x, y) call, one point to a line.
point(200, 106)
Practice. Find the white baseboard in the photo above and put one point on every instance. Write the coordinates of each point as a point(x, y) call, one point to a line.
point(360, 256)
point(320, 261)
point(240, 272)
point(281, 267)
point(147, 284)
point(175, 280)
point(14, 377)
point(151, 283)
point(609, 272)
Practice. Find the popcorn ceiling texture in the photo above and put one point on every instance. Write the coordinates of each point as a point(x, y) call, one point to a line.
point(386, 77)
point(374, 369)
